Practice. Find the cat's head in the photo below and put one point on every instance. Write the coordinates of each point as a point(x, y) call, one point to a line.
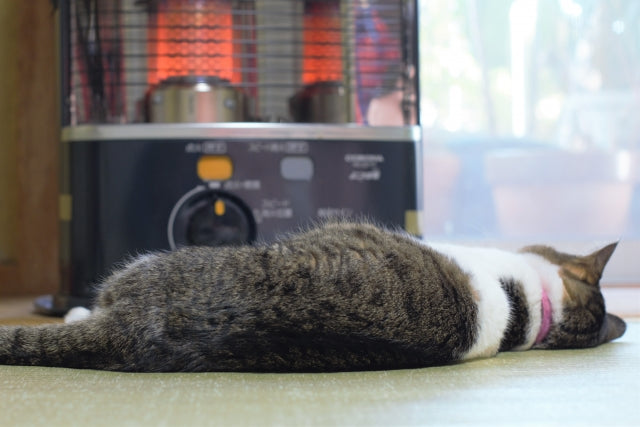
point(585, 322)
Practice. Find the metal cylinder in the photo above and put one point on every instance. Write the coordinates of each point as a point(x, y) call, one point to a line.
point(196, 99)
point(321, 102)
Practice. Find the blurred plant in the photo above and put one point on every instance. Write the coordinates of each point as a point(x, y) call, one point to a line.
point(578, 47)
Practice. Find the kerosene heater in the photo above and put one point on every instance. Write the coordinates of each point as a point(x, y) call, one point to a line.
point(226, 122)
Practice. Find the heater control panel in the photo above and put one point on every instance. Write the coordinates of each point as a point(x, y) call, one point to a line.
point(245, 190)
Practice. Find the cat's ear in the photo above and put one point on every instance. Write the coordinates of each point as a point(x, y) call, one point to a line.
point(613, 327)
point(589, 268)
point(602, 256)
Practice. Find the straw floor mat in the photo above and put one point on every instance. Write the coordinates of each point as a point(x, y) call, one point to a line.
point(598, 386)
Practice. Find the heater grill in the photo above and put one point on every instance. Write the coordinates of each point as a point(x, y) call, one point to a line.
point(267, 60)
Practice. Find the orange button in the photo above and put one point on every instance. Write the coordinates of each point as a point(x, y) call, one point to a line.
point(219, 207)
point(215, 168)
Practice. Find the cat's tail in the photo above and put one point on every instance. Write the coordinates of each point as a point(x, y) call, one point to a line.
point(72, 345)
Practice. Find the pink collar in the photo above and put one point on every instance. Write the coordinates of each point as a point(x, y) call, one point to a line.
point(545, 324)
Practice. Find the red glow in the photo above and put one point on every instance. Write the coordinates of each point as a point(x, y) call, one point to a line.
point(322, 38)
point(192, 38)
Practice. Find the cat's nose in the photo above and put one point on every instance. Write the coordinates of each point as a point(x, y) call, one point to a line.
point(613, 327)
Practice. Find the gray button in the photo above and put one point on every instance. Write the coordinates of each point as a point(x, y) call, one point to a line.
point(296, 168)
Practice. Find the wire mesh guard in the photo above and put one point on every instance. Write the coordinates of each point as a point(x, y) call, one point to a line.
point(326, 61)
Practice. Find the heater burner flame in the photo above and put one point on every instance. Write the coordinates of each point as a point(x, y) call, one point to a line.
point(322, 41)
point(192, 38)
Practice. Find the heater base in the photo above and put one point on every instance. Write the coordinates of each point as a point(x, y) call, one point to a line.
point(58, 305)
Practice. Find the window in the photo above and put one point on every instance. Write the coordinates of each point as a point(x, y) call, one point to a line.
point(531, 118)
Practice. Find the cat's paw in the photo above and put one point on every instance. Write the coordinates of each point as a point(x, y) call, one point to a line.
point(77, 313)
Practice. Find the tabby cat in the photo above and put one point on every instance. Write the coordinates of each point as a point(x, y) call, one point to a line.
point(340, 296)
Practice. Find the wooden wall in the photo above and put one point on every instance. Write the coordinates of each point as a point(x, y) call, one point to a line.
point(28, 148)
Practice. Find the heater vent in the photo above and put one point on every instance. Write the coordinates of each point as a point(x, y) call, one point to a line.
point(236, 60)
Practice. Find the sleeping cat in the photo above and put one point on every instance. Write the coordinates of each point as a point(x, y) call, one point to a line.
point(340, 296)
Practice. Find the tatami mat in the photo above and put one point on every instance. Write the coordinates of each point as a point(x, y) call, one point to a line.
point(598, 386)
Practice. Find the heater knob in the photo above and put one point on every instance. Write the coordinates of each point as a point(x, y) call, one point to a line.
point(210, 218)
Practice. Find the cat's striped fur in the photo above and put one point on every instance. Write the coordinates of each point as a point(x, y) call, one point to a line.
point(341, 296)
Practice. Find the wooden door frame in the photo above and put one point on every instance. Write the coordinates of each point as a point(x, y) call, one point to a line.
point(34, 122)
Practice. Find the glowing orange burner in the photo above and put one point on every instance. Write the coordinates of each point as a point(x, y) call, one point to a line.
point(322, 38)
point(192, 38)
